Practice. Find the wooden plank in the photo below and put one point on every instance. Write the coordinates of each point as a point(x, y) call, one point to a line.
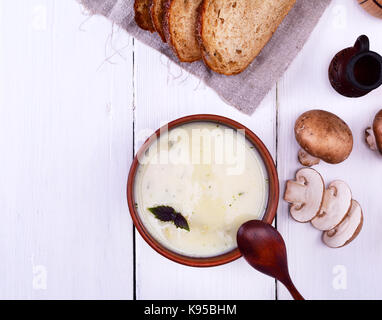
point(163, 93)
point(352, 272)
point(66, 145)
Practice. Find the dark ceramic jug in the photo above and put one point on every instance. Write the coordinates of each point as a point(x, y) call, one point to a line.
point(356, 71)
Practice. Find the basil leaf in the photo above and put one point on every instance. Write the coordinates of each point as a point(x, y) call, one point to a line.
point(163, 213)
point(181, 222)
point(167, 214)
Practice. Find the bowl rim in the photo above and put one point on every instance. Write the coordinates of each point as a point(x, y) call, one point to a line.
point(273, 194)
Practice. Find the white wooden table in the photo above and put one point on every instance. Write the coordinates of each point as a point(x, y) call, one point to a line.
point(77, 97)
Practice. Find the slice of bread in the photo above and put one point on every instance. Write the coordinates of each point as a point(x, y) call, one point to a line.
point(179, 26)
point(231, 33)
point(157, 16)
point(142, 14)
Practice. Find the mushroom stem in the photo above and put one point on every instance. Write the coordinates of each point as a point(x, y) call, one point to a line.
point(335, 205)
point(306, 159)
point(370, 139)
point(305, 194)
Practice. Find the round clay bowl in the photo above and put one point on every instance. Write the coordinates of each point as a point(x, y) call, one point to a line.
point(269, 214)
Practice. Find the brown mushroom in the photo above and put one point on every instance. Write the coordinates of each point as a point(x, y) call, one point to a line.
point(305, 194)
point(347, 230)
point(322, 135)
point(335, 205)
point(374, 135)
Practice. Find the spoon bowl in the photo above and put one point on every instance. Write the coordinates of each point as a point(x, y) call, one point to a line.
point(264, 249)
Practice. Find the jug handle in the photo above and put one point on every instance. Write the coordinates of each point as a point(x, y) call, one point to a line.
point(362, 44)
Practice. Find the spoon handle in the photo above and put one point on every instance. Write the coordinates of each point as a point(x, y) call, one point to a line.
point(292, 289)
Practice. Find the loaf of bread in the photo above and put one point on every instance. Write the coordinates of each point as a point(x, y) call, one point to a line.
point(157, 16)
point(232, 33)
point(179, 28)
point(227, 34)
point(142, 14)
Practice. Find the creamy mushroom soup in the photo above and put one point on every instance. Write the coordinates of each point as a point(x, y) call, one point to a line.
point(196, 185)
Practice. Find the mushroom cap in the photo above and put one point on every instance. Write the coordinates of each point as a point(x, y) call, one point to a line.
point(324, 135)
point(347, 230)
point(305, 194)
point(377, 129)
point(335, 206)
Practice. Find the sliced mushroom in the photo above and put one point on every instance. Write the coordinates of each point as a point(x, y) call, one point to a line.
point(374, 135)
point(323, 135)
point(347, 230)
point(306, 159)
point(335, 206)
point(305, 194)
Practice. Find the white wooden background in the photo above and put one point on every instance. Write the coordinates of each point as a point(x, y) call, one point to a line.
point(74, 95)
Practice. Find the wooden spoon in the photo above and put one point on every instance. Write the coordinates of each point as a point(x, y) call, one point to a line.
point(264, 249)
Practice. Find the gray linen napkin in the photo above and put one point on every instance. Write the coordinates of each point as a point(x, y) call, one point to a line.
point(246, 90)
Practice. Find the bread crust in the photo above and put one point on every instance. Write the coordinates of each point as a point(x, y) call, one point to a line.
point(167, 21)
point(202, 41)
point(199, 35)
point(198, 29)
point(142, 15)
point(157, 18)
